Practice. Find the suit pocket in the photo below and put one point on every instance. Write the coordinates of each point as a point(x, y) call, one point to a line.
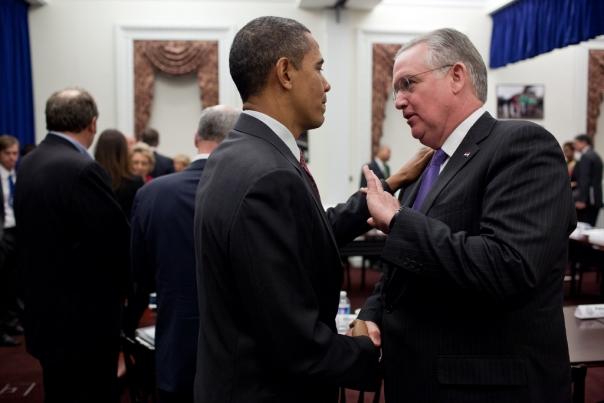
point(448, 207)
point(482, 370)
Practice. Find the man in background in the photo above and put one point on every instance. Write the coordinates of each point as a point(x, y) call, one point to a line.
point(378, 165)
point(588, 175)
point(74, 240)
point(163, 165)
point(163, 247)
point(10, 278)
point(470, 303)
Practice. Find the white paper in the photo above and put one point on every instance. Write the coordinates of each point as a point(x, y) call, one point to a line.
point(590, 311)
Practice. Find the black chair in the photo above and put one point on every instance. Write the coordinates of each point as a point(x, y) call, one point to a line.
point(140, 371)
point(376, 396)
point(578, 373)
point(583, 258)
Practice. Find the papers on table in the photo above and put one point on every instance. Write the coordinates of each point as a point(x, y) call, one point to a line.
point(342, 322)
point(146, 336)
point(590, 311)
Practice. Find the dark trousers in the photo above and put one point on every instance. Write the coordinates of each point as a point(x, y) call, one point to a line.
point(171, 397)
point(94, 381)
point(589, 215)
point(10, 281)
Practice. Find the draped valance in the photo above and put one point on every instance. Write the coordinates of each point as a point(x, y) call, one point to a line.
point(173, 58)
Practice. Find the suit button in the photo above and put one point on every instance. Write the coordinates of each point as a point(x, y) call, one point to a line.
point(412, 265)
point(388, 308)
point(419, 267)
point(406, 262)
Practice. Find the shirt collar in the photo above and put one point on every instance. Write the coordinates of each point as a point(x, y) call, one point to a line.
point(281, 131)
point(380, 164)
point(201, 157)
point(78, 145)
point(585, 149)
point(5, 172)
point(454, 140)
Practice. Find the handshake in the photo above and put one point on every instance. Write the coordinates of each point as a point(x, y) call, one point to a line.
point(360, 327)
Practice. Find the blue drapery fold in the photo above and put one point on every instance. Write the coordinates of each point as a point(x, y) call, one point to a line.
point(528, 28)
point(16, 93)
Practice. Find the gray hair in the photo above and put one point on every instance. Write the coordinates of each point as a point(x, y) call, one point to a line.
point(448, 46)
point(216, 122)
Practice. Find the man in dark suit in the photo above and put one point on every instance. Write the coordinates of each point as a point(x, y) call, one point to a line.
point(470, 302)
point(268, 268)
point(163, 247)
point(163, 165)
point(379, 165)
point(10, 284)
point(73, 239)
point(588, 175)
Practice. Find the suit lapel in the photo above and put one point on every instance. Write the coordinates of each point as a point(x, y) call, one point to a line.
point(250, 125)
point(465, 152)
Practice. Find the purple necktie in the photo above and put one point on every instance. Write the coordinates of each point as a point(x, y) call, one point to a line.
point(430, 177)
point(305, 167)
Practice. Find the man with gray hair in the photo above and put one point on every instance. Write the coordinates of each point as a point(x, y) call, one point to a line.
point(470, 303)
point(163, 253)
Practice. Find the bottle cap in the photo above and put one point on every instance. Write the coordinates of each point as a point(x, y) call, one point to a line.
point(342, 293)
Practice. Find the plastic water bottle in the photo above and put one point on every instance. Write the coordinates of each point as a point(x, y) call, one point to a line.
point(344, 306)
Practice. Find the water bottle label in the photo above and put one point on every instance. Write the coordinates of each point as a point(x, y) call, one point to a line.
point(344, 309)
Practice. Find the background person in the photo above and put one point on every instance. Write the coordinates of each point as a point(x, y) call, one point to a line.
point(142, 161)
point(181, 161)
point(163, 165)
point(163, 249)
point(112, 153)
point(11, 295)
point(74, 241)
point(588, 175)
point(379, 165)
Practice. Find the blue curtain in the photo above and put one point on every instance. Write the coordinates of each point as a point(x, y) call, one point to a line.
point(528, 28)
point(16, 94)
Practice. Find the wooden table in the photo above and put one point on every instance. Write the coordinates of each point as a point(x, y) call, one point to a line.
point(583, 255)
point(585, 339)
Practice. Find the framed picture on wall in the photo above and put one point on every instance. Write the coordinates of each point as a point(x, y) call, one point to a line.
point(516, 101)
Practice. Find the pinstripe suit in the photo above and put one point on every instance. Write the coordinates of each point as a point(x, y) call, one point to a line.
point(470, 303)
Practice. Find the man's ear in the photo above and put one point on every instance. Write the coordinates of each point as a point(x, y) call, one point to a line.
point(92, 125)
point(284, 72)
point(196, 140)
point(459, 77)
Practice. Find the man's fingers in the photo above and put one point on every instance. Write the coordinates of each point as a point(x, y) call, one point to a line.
point(371, 222)
point(373, 182)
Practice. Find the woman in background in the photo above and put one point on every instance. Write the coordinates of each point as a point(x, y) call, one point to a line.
point(569, 153)
point(181, 161)
point(142, 160)
point(112, 153)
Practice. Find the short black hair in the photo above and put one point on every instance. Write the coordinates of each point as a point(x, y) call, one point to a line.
point(585, 138)
point(150, 136)
point(257, 47)
point(70, 110)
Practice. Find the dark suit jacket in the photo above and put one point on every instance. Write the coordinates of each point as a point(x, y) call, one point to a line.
point(162, 245)
point(376, 170)
point(74, 241)
point(269, 276)
point(126, 193)
point(588, 175)
point(470, 303)
point(163, 166)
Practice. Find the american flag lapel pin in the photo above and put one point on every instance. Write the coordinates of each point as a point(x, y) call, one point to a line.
point(466, 154)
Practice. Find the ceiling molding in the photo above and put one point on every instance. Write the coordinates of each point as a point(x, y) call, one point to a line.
point(438, 3)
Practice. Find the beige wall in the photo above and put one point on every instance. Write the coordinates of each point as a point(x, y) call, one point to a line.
point(73, 44)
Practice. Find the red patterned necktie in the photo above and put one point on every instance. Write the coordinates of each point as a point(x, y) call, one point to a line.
point(305, 167)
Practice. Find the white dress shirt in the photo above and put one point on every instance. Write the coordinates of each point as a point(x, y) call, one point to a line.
point(9, 214)
point(454, 140)
point(280, 130)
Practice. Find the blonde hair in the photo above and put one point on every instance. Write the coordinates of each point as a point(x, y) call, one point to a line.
point(144, 149)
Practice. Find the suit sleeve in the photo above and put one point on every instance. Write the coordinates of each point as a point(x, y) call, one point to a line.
point(272, 250)
point(524, 224)
point(98, 209)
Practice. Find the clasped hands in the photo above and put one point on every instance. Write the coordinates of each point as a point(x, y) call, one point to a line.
point(365, 328)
